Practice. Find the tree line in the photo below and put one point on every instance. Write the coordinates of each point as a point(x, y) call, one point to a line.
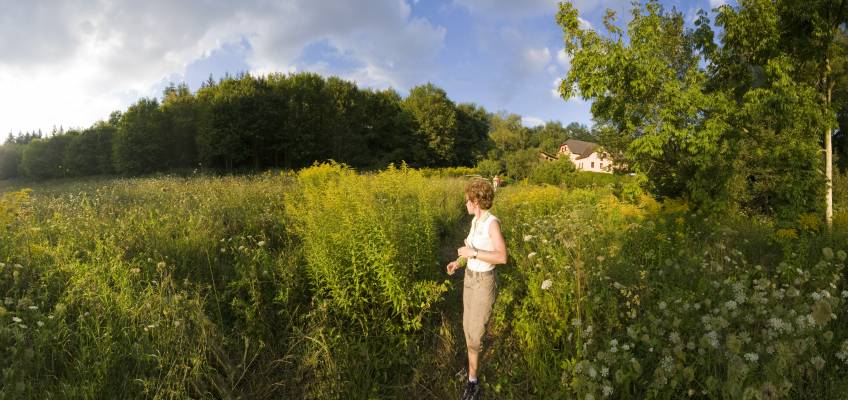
point(243, 123)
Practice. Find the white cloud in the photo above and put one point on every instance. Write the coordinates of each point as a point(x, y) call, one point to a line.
point(537, 59)
point(717, 3)
point(555, 88)
point(72, 63)
point(531, 121)
point(508, 8)
point(584, 24)
point(564, 59)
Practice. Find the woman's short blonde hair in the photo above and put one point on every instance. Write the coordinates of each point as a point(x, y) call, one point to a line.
point(480, 191)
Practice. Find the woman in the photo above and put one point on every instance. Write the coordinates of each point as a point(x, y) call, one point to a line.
point(484, 248)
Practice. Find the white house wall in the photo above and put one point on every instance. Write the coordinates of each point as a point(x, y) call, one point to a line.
point(592, 163)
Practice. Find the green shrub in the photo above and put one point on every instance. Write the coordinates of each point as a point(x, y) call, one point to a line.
point(554, 172)
point(489, 168)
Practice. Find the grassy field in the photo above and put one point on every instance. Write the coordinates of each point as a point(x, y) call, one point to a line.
point(329, 284)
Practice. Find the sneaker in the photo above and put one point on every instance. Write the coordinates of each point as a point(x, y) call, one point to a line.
point(472, 391)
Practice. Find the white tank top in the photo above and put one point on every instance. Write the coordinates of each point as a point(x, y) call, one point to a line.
point(478, 237)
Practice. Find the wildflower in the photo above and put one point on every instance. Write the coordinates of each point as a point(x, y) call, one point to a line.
point(667, 363)
point(827, 252)
point(662, 305)
point(161, 264)
point(17, 320)
point(730, 305)
point(822, 312)
point(261, 243)
point(607, 390)
point(531, 255)
point(845, 294)
point(22, 326)
point(546, 284)
point(40, 324)
point(604, 372)
point(593, 373)
point(818, 362)
point(135, 270)
point(752, 357)
point(841, 255)
point(528, 238)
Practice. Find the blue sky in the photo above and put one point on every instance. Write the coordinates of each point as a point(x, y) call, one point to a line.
point(70, 63)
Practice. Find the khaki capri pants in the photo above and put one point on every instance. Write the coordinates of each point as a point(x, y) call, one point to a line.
point(478, 296)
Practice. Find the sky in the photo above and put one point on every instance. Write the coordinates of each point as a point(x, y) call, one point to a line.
point(70, 63)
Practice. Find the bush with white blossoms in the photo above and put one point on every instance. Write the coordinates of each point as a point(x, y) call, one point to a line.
point(661, 302)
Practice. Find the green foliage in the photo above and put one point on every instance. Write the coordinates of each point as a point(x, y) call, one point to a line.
point(328, 285)
point(554, 172)
point(650, 92)
point(438, 123)
point(520, 164)
point(43, 158)
point(90, 152)
point(370, 243)
point(140, 144)
point(489, 168)
point(508, 135)
point(10, 158)
point(472, 140)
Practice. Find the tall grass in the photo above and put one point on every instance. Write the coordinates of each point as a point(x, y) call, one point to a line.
point(329, 284)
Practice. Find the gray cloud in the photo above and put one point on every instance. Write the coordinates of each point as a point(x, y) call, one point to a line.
point(84, 56)
point(131, 42)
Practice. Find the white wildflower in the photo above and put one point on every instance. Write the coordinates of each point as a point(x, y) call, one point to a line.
point(667, 363)
point(663, 305)
point(730, 305)
point(674, 337)
point(607, 390)
point(818, 362)
point(752, 357)
point(261, 243)
point(33, 308)
point(546, 284)
point(604, 372)
point(528, 238)
point(593, 373)
point(40, 324)
point(17, 320)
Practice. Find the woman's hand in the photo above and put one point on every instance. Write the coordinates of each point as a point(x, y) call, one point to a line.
point(465, 251)
point(452, 267)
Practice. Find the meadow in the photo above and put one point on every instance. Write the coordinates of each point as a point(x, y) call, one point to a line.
point(329, 284)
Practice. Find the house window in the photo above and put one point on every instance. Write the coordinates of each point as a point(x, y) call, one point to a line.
point(593, 164)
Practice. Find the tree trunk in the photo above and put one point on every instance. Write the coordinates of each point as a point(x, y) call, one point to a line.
point(828, 148)
point(829, 174)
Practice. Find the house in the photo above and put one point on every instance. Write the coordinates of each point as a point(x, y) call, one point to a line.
point(586, 156)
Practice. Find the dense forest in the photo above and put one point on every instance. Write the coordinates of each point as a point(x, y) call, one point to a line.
point(284, 121)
